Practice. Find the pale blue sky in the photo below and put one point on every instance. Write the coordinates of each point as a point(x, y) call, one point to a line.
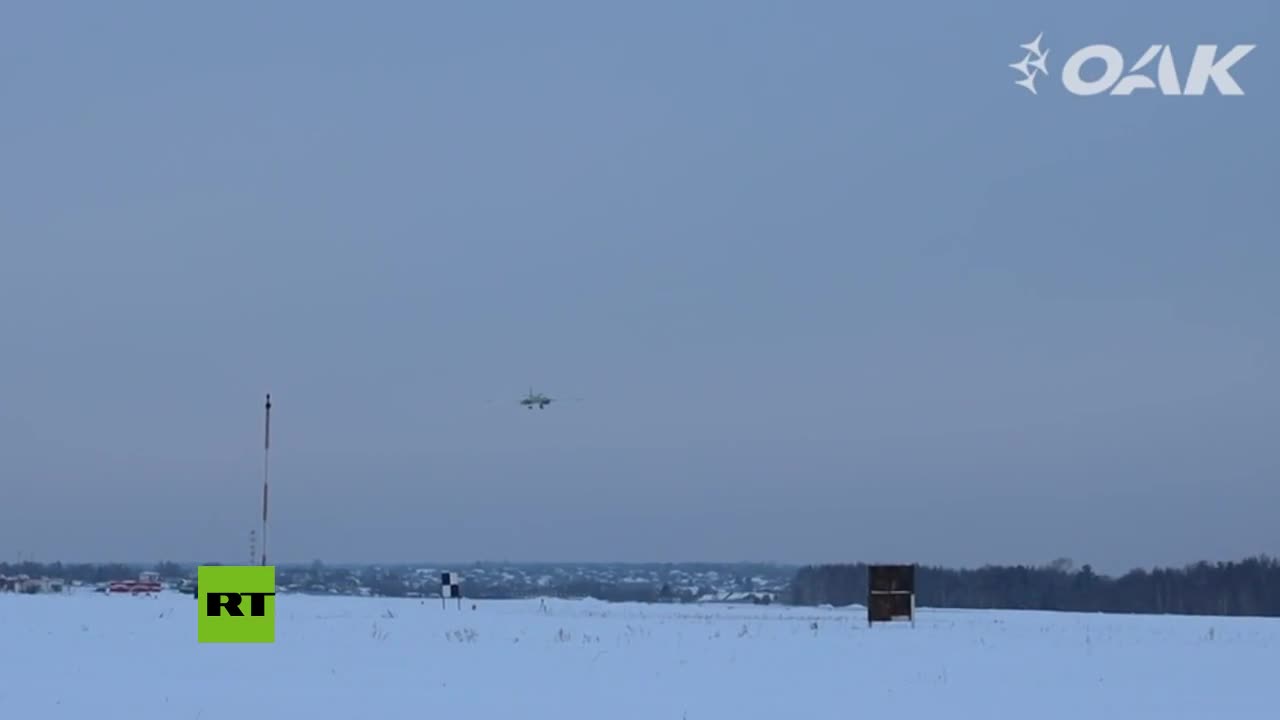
point(814, 268)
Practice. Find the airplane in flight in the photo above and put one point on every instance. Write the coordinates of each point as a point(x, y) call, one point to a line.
point(537, 400)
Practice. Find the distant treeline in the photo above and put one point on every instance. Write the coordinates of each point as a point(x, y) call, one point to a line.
point(1250, 587)
point(89, 572)
point(665, 583)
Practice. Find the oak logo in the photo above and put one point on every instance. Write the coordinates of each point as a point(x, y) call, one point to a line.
point(237, 604)
point(1209, 66)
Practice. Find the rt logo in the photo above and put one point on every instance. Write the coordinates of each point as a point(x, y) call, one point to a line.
point(236, 604)
point(1206, 67)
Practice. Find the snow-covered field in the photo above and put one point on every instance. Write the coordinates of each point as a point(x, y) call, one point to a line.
point(88, 655)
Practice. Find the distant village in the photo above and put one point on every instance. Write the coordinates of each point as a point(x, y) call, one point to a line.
point(674, 583)
point(1247, 587)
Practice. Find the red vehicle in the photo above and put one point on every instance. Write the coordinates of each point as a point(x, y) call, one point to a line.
point(147, 584)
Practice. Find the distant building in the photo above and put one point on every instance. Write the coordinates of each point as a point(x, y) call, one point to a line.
point(27, 585)
point(740, 598)
point(148, 583)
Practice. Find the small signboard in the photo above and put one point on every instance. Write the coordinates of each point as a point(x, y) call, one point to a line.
point(451, 587)
point(891, 593)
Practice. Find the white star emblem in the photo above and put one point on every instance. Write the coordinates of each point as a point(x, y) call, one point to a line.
point(1032, 65)
point(1033, 47)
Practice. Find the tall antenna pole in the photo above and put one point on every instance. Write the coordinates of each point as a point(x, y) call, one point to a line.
point(266, 474)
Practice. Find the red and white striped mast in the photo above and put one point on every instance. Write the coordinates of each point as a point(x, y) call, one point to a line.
point(266, 474)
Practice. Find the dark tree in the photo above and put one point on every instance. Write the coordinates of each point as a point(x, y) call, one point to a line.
point(1250, 587)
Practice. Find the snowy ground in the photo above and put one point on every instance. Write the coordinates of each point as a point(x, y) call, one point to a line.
point(88, 655)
